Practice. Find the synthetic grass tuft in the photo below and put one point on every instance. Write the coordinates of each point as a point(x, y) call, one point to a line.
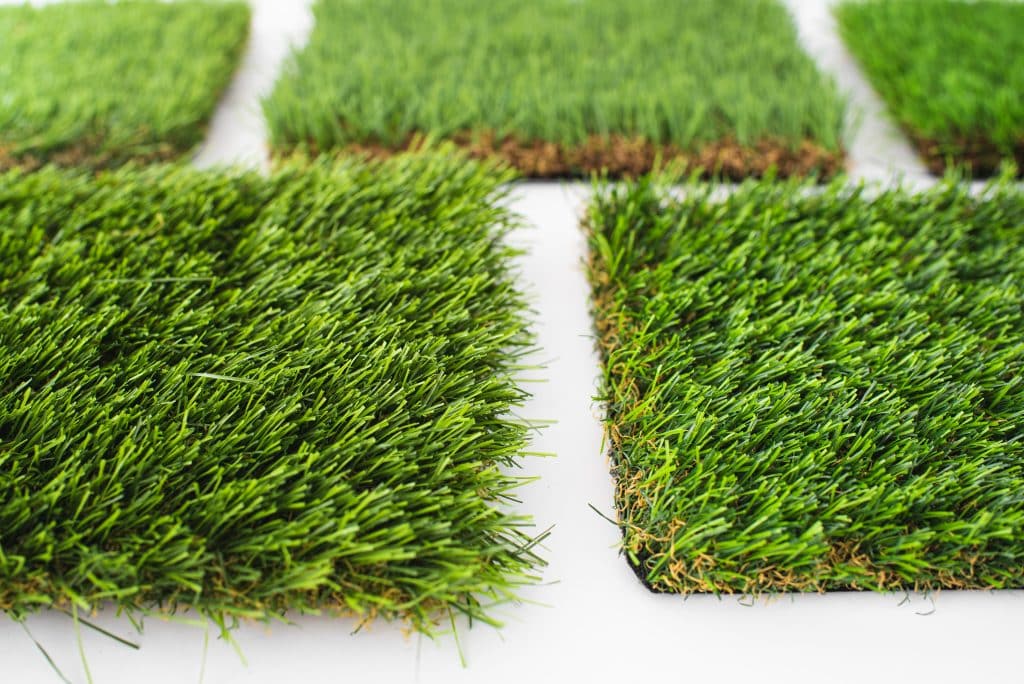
point(951, 72)
point(96, 84)
point(244, 396)
point(814, 391)
point(563, 87)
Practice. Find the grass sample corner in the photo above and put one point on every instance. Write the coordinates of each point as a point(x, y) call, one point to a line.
point(814, 391)
point(96, 84)
point(560, 88)
point(951, 72)
point(243, 396)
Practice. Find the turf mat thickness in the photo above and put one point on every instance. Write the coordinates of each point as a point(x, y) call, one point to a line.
point(245, 395)
point(564, 87)
point(814, 391)
point(96, 83)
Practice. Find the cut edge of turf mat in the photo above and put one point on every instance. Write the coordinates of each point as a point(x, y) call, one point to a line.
point(384, 482)
point(616, 156)
point(102, 142)
point(710, 536)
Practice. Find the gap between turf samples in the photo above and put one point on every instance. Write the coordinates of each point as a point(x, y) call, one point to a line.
point(245, 396)
point(72, 101)
point(736, 468)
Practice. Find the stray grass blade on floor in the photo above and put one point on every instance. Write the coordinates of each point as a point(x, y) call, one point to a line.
point(96, 84)
point(814, 390)
point(244, 396)
point(951, 72)
point(563, 88)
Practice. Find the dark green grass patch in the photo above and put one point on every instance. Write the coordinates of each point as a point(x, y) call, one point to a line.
point(244, 396)
point(951, 72)
point(96, 84)
point(814, 391)
point(563, 87)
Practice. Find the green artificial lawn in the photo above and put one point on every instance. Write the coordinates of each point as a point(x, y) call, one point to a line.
point(951, 72)
point(559, 87)
point(814, 391)
point(96, 84)
point(244, 396)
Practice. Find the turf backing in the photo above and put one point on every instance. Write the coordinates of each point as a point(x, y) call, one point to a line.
point(951, 72)
point(244, 396)
point(563, 87)
point(96, 84)
point(814, 391)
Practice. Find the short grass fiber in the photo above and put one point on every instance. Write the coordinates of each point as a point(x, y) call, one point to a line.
point(951, 73)
point(243, 395)
point(96, 84)
point(553, 81)
point(814, 391)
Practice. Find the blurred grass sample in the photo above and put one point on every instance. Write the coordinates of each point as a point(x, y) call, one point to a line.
point(951, 72)
point(96, 84)
point(243, 395)
point(814, 390)
point(559, 87)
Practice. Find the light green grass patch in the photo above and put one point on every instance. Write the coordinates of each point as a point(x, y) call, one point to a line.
point(951, 72)
point(95, 83)
point(814, 390)
point(680, 74)
point(244, 396)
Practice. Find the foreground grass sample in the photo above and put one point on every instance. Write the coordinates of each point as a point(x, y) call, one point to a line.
point(244, 396)
point(951, 72)
point(814, 391)
point(561, 88)
point(96, 84)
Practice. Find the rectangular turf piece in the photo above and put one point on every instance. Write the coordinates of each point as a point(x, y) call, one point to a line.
point(563, 87)
point(814, 391)
point(96, 84)
point(243, 396)
point(951, 72)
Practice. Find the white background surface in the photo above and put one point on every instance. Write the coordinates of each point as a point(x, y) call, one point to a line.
point(591, 620)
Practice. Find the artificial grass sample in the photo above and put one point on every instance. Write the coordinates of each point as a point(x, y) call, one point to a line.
point(951, 72)
point(814, 391)
point(96, 84)
point(243, 395)
point(560, 88)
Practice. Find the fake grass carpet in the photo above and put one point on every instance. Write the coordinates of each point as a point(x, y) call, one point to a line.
point(244, 396)
point(560, 87)
point(814, 391)
point(952, 74)
point(95, 84)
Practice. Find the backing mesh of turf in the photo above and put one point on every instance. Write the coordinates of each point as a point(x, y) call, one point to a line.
point(559, 88)
point(96, 84)
point(814, 391)
point(951, 72)
point(243, 396)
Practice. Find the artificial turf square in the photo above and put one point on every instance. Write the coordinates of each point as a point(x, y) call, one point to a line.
point(243, 395)
point(951, 73)
point(814, 391)
point(96, 84)
point(560, 88)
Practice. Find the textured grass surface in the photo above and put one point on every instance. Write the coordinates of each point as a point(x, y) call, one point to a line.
point(678, 73)
point(951, 72)
point(97, 84)
point(243, 395)
point(814, 391)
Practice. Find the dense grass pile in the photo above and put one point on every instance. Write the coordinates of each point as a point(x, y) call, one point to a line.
point(951, 72)
point(246, 395)
point(559, 87)
point(812, 391)
point(96, 84)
